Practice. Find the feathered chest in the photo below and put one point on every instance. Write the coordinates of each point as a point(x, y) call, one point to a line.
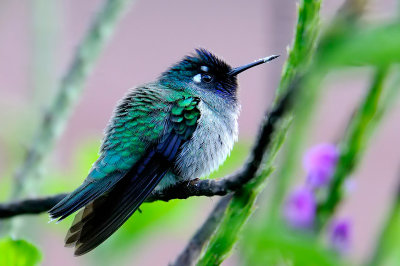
point(210, 143)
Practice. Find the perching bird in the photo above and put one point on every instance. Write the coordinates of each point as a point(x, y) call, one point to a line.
point(180, 127)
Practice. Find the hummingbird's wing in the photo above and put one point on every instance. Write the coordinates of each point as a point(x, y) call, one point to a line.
point(141, 144)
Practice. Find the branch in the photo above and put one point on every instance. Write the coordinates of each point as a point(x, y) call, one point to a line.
point(186, 189)
point(29, 206)
point(71, 87)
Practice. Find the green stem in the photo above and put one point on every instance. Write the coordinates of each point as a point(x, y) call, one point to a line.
point(386, 248)
point(298, 65)
point(70, 89)
point(300, 55)
point(352, 146)
point(306, 100)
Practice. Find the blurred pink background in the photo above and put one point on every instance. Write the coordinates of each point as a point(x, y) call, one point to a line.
point(153, 35)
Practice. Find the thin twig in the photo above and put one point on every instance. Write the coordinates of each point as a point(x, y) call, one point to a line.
point(29, 206)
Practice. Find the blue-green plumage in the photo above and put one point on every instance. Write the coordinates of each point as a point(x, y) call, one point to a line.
point(180, 127)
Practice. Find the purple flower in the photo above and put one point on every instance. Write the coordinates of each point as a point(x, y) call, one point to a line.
point(300, 208)
point(320, 162)
point(340, 235)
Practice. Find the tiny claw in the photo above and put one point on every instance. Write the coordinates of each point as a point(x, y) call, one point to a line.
point(193, 181)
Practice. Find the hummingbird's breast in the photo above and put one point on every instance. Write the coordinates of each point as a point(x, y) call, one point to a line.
point(211, 143)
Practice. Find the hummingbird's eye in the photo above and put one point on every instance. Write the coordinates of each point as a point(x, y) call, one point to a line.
point(202, 78)
point(206, 78)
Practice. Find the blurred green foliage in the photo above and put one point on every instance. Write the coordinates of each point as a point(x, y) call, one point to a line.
point(280, 246)
point(18, 253)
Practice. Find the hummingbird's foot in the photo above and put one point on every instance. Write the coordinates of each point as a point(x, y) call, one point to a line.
point(193, 181)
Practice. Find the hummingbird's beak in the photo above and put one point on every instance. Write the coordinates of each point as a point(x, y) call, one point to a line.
point(240, 69)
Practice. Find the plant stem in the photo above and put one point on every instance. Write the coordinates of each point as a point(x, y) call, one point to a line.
point(298, 65)
point(386, 248)
point(299, 56)
point(352, 146)
point(71, 87)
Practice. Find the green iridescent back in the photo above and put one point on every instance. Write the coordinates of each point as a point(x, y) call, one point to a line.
point(140, 120)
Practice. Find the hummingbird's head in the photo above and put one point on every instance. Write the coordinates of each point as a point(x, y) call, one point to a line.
point(206, 73)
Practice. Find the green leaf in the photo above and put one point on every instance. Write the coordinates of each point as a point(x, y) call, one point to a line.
point(375, 45)
point(18, 253)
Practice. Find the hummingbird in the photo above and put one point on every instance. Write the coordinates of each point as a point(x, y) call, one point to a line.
point(180, 127)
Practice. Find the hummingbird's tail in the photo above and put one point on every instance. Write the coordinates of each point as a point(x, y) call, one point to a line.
point(103, 216)
point(109, 203)
point(84, 194)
